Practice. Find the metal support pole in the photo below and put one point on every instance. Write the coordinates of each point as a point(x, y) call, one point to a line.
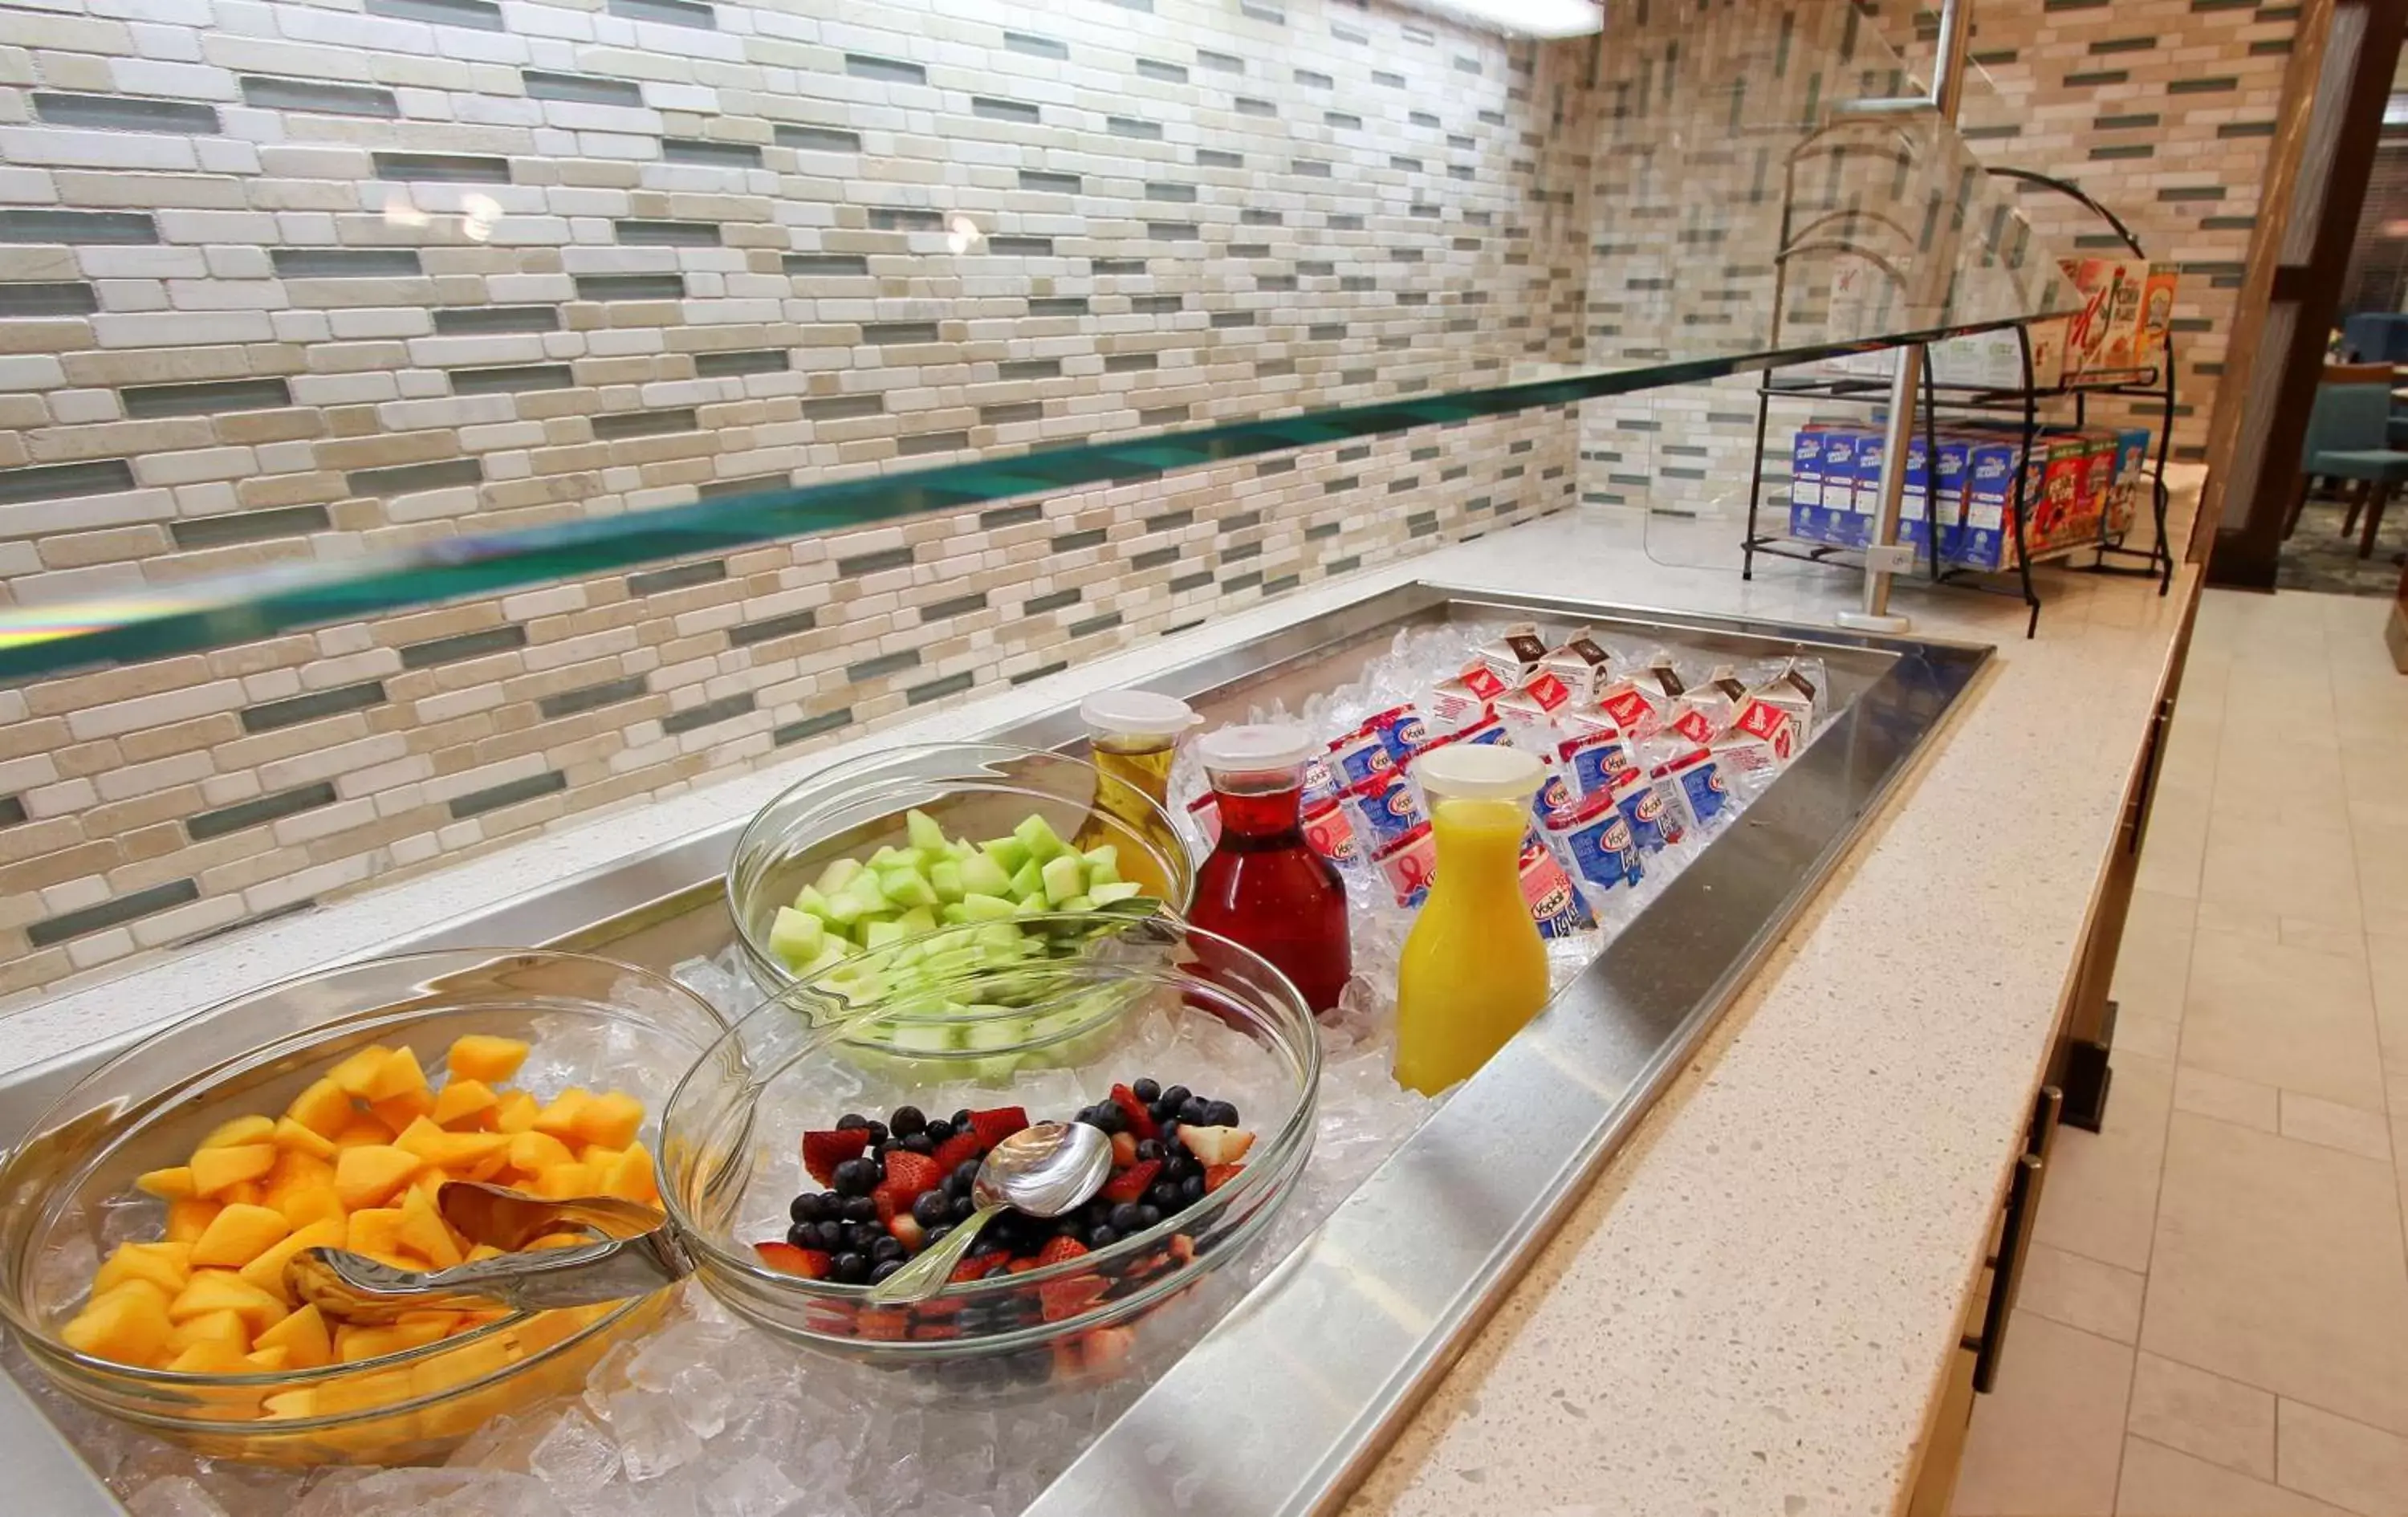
point(1947, 91)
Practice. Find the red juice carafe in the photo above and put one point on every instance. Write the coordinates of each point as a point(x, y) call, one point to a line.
point(1263, 886)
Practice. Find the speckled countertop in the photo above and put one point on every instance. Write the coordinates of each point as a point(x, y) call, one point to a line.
point(1750, 1311)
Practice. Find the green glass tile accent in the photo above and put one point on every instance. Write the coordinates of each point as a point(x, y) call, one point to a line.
point(248, 527)
point(667, 13)
point(726, 707)
point(266, 92)
point(1095, 624)
point(711, 155)
point(747, 484)
point(885, 558)
point(1052, 600)
point(12, 811)
point(60, 482)
point(61, 298)
point(659, 234)
point(104, 228)
point(511, 380)
point(469, 320)
point(589, 697)
point(745, 634)
point(862, 65)
point(1191, 581)
point(1347, 564)
point(615, 426)
point(681, 577)
point(110, 913)
point(1169, 520)
point(1285, 581)
point(883, 665)
point(442, 167)
point(815, 138)
point(952, 684)
point(958, 606)
point(1153, 558)
point(811, 726)
point(1009, 516)
point(124, 113)
point(1028, 676)
point(478, 15)
point(1070, 543)
point(258, 810)
point(509, 793)
point(346, 262)
point(466, 645)
point(409, 478)
point(269, 715)
point(146, 401)
point(735, 365)
point(582, 88)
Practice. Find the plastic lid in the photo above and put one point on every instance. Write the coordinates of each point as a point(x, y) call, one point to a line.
point(1481, 771)
point(1137, 713)
point(1269, 746)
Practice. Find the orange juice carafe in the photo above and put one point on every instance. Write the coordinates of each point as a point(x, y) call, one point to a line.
point(1474, 969)
point(1131, 736)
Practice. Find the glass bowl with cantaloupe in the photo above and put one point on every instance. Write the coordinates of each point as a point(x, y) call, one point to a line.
point(876, 852)
point(147, 1218)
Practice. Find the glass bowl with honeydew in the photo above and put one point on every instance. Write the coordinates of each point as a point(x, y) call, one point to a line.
point(147, 1217)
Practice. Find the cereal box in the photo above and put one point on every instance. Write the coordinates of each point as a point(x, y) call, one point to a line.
point(1806, 482)
point(2157, 313)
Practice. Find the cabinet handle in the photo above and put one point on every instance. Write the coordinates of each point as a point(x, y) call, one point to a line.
point(2014, 1237)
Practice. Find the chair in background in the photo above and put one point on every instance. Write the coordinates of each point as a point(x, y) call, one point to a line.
point(2348, 439)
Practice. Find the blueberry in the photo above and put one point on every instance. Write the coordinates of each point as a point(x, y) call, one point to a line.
point(1194, 1112)
point(931, 1209)
point(883, 1268)
point(1034, 1368)
point(831, 1235)
point(1174, 1164)
point(936, 1235)
point(966, 1172)
point(1170, 1135)
point(1109, 1117)
point(918, 1143)
point(1147, 1215)
point(803, 1235)
point(849, 1269)
point(857, 1177)
point(885, 1248)
point(1145, 1089)
point(1162, 1111)
point(1102, 1238)
point(1163, 1194)
point(1177, 1094)
point(1128, 1218)
point(892, 1145)
point(850, 1121)
point(1001, 1271)
point(938, 1131)
point(1150, 1148)
point(959, 1208)
point(860, 1209)
point(807, 1208)
point(878, 1134)
point(961, 1119)
point(1220, 1114)
point(1191, 1190)
point(907, 1121)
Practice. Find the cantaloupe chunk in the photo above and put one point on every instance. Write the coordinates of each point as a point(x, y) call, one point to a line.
point(363, 1131)
point(353, 1344)
point(559, 1116)
point(225, 1327)
point(219, 1169)
point(400, 1074)
point(290, 1405)
point(306, 1204)
point(480, 1252)
point(267, 1361)
point(128, 1325)
point(324, 1108)
point(489, 1167)
point(234, 1134)
point(167, 1184)
point(368, 1175)
point(399, 1112)
point(450, 1151)
point(462, 1100)
point(266, 1271)
point(629, 1176)
point(533, 1152)
point(424, 1233)
point(562, 1182)
point(480, 1056)
point(188, 1220)
point(305, 1338)
point(222, 1290)
point(611, 1119)
point(374, 1231)
point(515, 1112)
point(168, 1266)
point(211, 1357)
point(295, 1170)
point(299, 1138)
point(238, 1235)
point(598, 1160)
point(247, 1193)
point(359, 1070)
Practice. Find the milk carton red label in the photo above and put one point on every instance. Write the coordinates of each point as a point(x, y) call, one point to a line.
point(1632, 710)
point(1483, 682)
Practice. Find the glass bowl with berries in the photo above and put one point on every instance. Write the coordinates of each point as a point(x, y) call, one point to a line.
point(801, 1176)
point(897, 844)
point(148, 1220)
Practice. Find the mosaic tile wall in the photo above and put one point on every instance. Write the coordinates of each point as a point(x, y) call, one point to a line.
point(2159, 109)
point(290, 279)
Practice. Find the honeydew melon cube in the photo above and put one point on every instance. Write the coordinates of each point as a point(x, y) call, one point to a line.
point(1006, 853)
point(812, 899)
point(1104, 856)
point(1031, 906)
point(918, 919)
point(1002, 1032)
point(837, 876)
point(945, 878)
point(796, 936)
point(1107, 873)
point(1105, 895)
point(998, 934)
point(1042, 842)
point(1077, 903)
point(983, 876)
point(918, 1036)
point(924, 833)
point(906, 888)
point(1064, 877)
point(985, 908)
point(882, 934)
point(887, 858)
point(1029, 879)
point(844, 908)
point(951, 914)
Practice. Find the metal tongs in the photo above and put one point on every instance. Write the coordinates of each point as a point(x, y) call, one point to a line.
point(633, 1252)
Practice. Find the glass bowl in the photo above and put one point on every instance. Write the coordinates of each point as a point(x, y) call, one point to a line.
point(69, 1196)
point(974, 791)
point(1131, 995)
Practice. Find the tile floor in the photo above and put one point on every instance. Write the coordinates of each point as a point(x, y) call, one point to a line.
point(2214, 1322)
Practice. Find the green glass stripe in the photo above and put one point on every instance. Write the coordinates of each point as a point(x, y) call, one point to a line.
point(234, 609)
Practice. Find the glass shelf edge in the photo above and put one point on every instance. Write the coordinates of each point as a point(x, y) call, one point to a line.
point(221, 611)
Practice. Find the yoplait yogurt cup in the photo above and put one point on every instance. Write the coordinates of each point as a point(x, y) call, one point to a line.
point(1321, 786)
point(1408, 865)
point(1403, 732)
point(1554, 793)
point(1555, 905)
point(1699, 782)
point(1358, 758)
point(1384, 810)
point(1595, 836)
point(1595, 759)
point(1654, 819)
point(1329, 834)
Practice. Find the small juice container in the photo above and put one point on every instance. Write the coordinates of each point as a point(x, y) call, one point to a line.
point(1132, 736)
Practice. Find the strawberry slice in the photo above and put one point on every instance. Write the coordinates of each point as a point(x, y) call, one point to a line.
point(1130, 1183)
point(907, 1231)
point(890, 1204)
point(1060, 1300)
point(953, 1151)
point(1216, 1145)
point(1141, 1121)
point(1058, 1249)
point(911, 1173)
point(997, 1123)
point(883, 1324)
point(1218, 1175)
point(1182, 1247)
point(928, 1331)
point(1105, 1349)
point(811, 1264)
point(974, 1268)
point(823, 1152)
point(1124, 1150)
